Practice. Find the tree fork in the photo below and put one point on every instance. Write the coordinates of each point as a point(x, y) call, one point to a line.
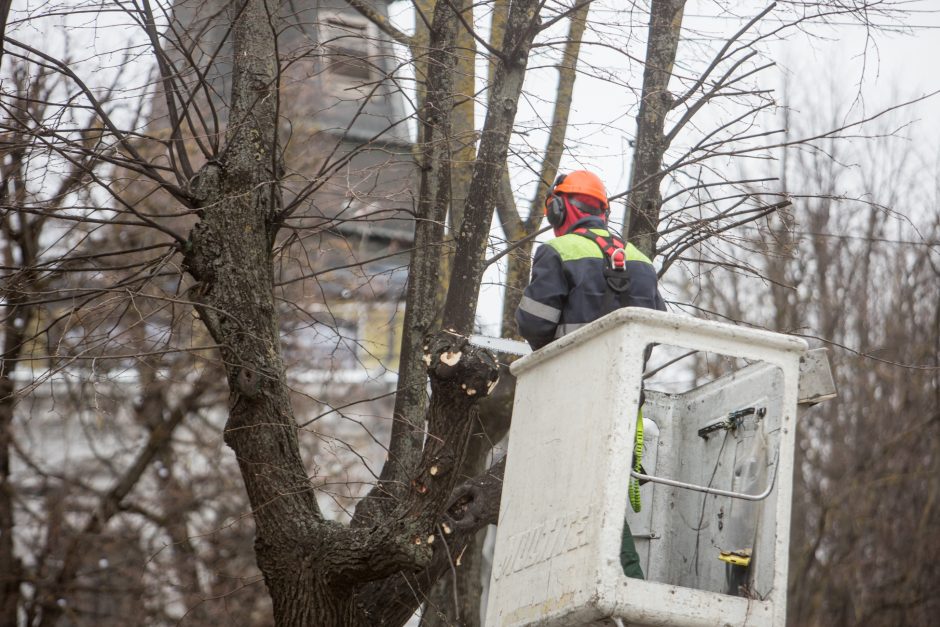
point(332, 568)
point(472, 505)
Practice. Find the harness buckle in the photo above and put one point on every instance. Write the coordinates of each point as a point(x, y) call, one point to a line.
point(615, 263)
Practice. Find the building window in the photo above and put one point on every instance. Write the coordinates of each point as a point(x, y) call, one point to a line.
point(350, 49)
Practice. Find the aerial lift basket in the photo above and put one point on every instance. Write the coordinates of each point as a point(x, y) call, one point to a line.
point(713, 530)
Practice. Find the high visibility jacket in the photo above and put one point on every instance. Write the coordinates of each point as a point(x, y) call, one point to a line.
point(568, 285)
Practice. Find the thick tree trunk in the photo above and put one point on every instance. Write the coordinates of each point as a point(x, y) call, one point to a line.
point(519, 262)
point(464, 122)
point(14, 338)
point(645, 199)
point(457, 596)
point(473, 505)
point(10, 566)
point(455, 599)
point(230, 257)
point(408, 433)
point(460, 374)
point(318, 572)
point(521, 28)
point(21, 249)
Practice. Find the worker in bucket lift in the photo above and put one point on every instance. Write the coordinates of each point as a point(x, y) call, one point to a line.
point(583, 274)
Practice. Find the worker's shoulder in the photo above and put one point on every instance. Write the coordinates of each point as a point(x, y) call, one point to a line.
point(572, 246)
point(635, 254)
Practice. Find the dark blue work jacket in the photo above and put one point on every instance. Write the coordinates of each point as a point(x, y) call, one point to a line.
point(568, 285)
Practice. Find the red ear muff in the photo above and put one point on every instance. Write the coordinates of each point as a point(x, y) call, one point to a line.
point(555, 205)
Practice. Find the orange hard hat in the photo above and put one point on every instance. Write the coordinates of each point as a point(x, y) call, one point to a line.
point(582, 182)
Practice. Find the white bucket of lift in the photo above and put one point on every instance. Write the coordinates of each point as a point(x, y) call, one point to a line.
point(556, 559)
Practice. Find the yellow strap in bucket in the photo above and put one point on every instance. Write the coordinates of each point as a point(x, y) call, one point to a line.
point(634, 490)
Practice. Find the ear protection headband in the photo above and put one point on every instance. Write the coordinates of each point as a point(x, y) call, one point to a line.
point(555, 204)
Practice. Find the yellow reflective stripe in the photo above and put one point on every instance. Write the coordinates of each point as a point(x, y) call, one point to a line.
point(634, 254)
point(570, 247)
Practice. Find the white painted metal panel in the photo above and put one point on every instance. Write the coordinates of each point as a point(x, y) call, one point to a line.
point(556, 559)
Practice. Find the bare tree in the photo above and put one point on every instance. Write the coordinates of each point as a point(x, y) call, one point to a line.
point(193, 244)
point(853, 268)
point(239, 210)
point(868, 464)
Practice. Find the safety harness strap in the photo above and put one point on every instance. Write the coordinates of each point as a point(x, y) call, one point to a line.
point(612, 247)
point(615, 272)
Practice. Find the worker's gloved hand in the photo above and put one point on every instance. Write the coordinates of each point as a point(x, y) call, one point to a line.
point(475, 503)
point(640, 470)
point(465, 509)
